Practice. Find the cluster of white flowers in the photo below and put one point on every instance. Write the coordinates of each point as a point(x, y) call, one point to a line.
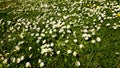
point(86, 36)
point(54, 26)
point(41, 64)
point(47, 48)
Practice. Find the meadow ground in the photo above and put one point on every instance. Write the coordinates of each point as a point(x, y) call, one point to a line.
point(60, 34)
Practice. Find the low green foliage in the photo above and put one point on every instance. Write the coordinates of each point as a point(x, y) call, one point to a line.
point(60, 34)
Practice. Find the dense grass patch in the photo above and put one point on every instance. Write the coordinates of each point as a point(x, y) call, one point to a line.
point(60, 34)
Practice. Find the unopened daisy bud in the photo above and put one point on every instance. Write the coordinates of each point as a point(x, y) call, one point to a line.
point(39, 60)
point(30, 55)
point(22, 58)
point(108, 24)
point(30, 48)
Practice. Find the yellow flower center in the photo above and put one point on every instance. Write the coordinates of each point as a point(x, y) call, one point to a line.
point(118, 14)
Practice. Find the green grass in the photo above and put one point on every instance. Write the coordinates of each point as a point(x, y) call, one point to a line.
point(103, 54)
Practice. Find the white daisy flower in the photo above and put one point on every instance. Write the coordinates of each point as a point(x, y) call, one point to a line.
point(13, 60)
point(28, 64)
point(30, 48)
point(32, 34)
point(93, 41)
point(5, 61)
point(58, 52)
point(37, 34)
point(66, 41)
point(37, 41)
point(18, 60)
point(42, 34)
point(52, 44)
point(69, 51)
point(98, 39)
point(108, 24)
point(39, 38)
point(86, 38)
point(68, 26)
point(41, 64)
point(77, 63)
point(74, 53)
point(75, 40)
point(68, 31)
point(22, 58)
point(81, 45)
point(17, 47)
